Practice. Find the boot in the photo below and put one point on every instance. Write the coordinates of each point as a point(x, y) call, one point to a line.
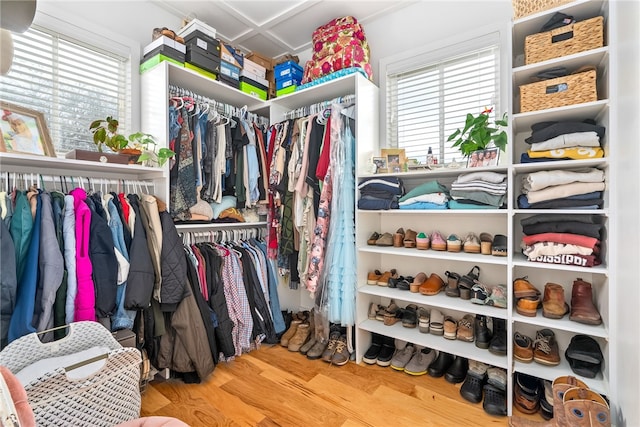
point(284, 341)
point(560, 385)
point(553, 304)
point(498, 344)
point(582, 308)
point(482, 332)
point(585, 408)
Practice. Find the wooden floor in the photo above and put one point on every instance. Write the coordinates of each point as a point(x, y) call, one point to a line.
point(275, 387)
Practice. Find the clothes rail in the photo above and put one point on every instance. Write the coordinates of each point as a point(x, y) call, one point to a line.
point(221, 107)
point(318, 107)
point(10, 180)
point(222, 236)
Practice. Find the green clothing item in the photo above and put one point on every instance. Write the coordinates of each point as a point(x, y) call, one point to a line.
point(21, 228)
point(480, 196)
point(428, 187)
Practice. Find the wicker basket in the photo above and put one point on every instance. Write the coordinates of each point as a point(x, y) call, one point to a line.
point(567, 90)
point(105, 398)
point(586, 35)
point(528, 7)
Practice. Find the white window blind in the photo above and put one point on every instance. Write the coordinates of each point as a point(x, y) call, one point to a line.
point(70, 82)
point(427, 104)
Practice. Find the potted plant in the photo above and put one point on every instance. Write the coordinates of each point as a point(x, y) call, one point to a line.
point(105, 132)
point(150, 154)
point(479, 134)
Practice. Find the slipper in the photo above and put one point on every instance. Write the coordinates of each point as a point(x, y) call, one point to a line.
point(432, 286)
point(485, 243)
point(499, 245)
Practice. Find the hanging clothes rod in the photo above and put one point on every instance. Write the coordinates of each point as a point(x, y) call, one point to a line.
point(221, 107)
point(318, 107)
point(222, 235)
point(10, 180)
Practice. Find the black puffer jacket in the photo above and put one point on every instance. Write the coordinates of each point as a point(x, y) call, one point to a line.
point(141, 273)
point(173, 265)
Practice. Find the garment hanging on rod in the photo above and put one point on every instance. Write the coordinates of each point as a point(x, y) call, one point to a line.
point(318, 107)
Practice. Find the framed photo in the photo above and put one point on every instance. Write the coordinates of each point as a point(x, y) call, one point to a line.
point(486, 157)
point(381, 164)
point(24, 131)
point(395, 158)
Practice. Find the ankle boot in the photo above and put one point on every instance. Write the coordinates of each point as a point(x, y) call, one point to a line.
point(582, 308)
point(482, 332)
point(559, 386)
point(498, 344)
point(284, 341)
point(553, 304)
point(585, 408)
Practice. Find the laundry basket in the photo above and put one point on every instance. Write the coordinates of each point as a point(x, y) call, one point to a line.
point(104, 397)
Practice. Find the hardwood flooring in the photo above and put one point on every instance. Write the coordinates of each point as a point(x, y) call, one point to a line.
point(274, 387)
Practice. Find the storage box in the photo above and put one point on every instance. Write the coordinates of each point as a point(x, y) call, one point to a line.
point(229, 81)
point(255, 69)
point(254, 83)
point(286, 90)
point(204, 43)
point(163, 41)
point(287, 70)
point(252, 90)
point(166, 51)
point(281, 84)
point(201, 71)
point(155, 60)
point(262, 60)
point(259, 80)
point(567, 90)
point(208, 62)
point(563, 41)
point(528, 7)
point(232, 56)
point(229, 70)
point(197, 25)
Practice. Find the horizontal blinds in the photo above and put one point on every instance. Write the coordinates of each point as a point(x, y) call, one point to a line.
point(71, 83)
point(426, 105)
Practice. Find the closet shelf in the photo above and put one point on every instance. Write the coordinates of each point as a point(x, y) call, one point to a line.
point(522, 121)
point(470, 212)
point(604, 212)
point(595, 57)
point(440, 301)
point(431, 254)
point(218, 226)
point(522, 168)
point(435, 173)
point(550, 373)
point(457, 347)
point(563, 324)
point(521, 261)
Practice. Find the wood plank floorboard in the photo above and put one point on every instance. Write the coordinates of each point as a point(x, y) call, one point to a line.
point(275, 387)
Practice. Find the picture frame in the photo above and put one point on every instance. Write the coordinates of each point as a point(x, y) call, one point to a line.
point(486, 157)
point(24, 131)
point(381, 164)
point(396, 158)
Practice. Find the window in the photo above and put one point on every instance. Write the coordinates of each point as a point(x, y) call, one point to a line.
point(428, 103)
point(72, 83)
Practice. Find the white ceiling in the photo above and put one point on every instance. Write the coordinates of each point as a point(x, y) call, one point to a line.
point(276, 27)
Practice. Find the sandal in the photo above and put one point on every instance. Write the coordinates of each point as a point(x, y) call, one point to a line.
point(452, 284)
point(467, 281)
point(436, 323)
point(499, 245)
point(371, 241)
point(392, 314)
point(423, 320)
point(485, 243)
point(417, 282)
point(410, 316)
point(398, 238)
point(410, 238)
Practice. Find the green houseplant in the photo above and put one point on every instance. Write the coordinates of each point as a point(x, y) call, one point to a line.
point(105, 132)
point(147, 144)
point(478, 133)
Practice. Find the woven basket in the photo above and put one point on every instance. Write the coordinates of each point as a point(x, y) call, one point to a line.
point(558, 92)
point(528, 7)
point(107, 397)
point(585, 35)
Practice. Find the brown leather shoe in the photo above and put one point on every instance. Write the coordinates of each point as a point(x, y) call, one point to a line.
point(528, 306)
point(546, 348)
point(300, 337)
point(522, 348)
point(398, 238)
point(373, 277)
point(284, 340)
point(582, 308)
point(553, 305)
point(432, 286)
point(384, 279)
point(410, 239)
point(523, 288)
point(417, 282)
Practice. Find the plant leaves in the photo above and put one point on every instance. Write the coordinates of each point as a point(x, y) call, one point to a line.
point(453, 135)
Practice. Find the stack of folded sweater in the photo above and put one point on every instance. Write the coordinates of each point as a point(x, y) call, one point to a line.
point(479, 190)
point(429, 195)
point(341, 43)
point(568, 140)
point(562, 189)
point(557, 239)
point(380, 193)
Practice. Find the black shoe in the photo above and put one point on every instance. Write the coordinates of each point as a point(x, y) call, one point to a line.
point(482, 332)
point(439, 366)
point(585, 349)
point(457, 371)
point(371, 356)
point(495, 401)
point(471, 389)
point(498, 344)
point(386, 352)
point(410, 316)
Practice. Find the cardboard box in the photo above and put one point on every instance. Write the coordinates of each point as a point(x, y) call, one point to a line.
point(166, 41)
point(206, 44)
point(201, 71)
point(155, 60)
point(207, 62)
point(232, 56)
point(229, 70)
point(253, 68)
point(261, 60)
point(288, 70)
point(281, 84)
point(286, 90)
point(253, 90)
point(197, 25)
point(260, 80)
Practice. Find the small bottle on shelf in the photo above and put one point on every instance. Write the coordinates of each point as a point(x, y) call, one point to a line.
point(429, 157)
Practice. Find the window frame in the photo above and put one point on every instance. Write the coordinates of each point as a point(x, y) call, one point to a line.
point(435, 52)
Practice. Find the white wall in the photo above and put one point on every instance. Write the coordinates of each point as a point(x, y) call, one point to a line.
point(627, 216)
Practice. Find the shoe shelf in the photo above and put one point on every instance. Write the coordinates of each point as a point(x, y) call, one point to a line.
point(440, 301)
point(522, 121)
point(564, 324)
point(431, 254)
point(550, 373)
point(435, 342)
point(521, 261)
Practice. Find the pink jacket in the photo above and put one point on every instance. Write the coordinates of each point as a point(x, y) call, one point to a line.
point(85, 297)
